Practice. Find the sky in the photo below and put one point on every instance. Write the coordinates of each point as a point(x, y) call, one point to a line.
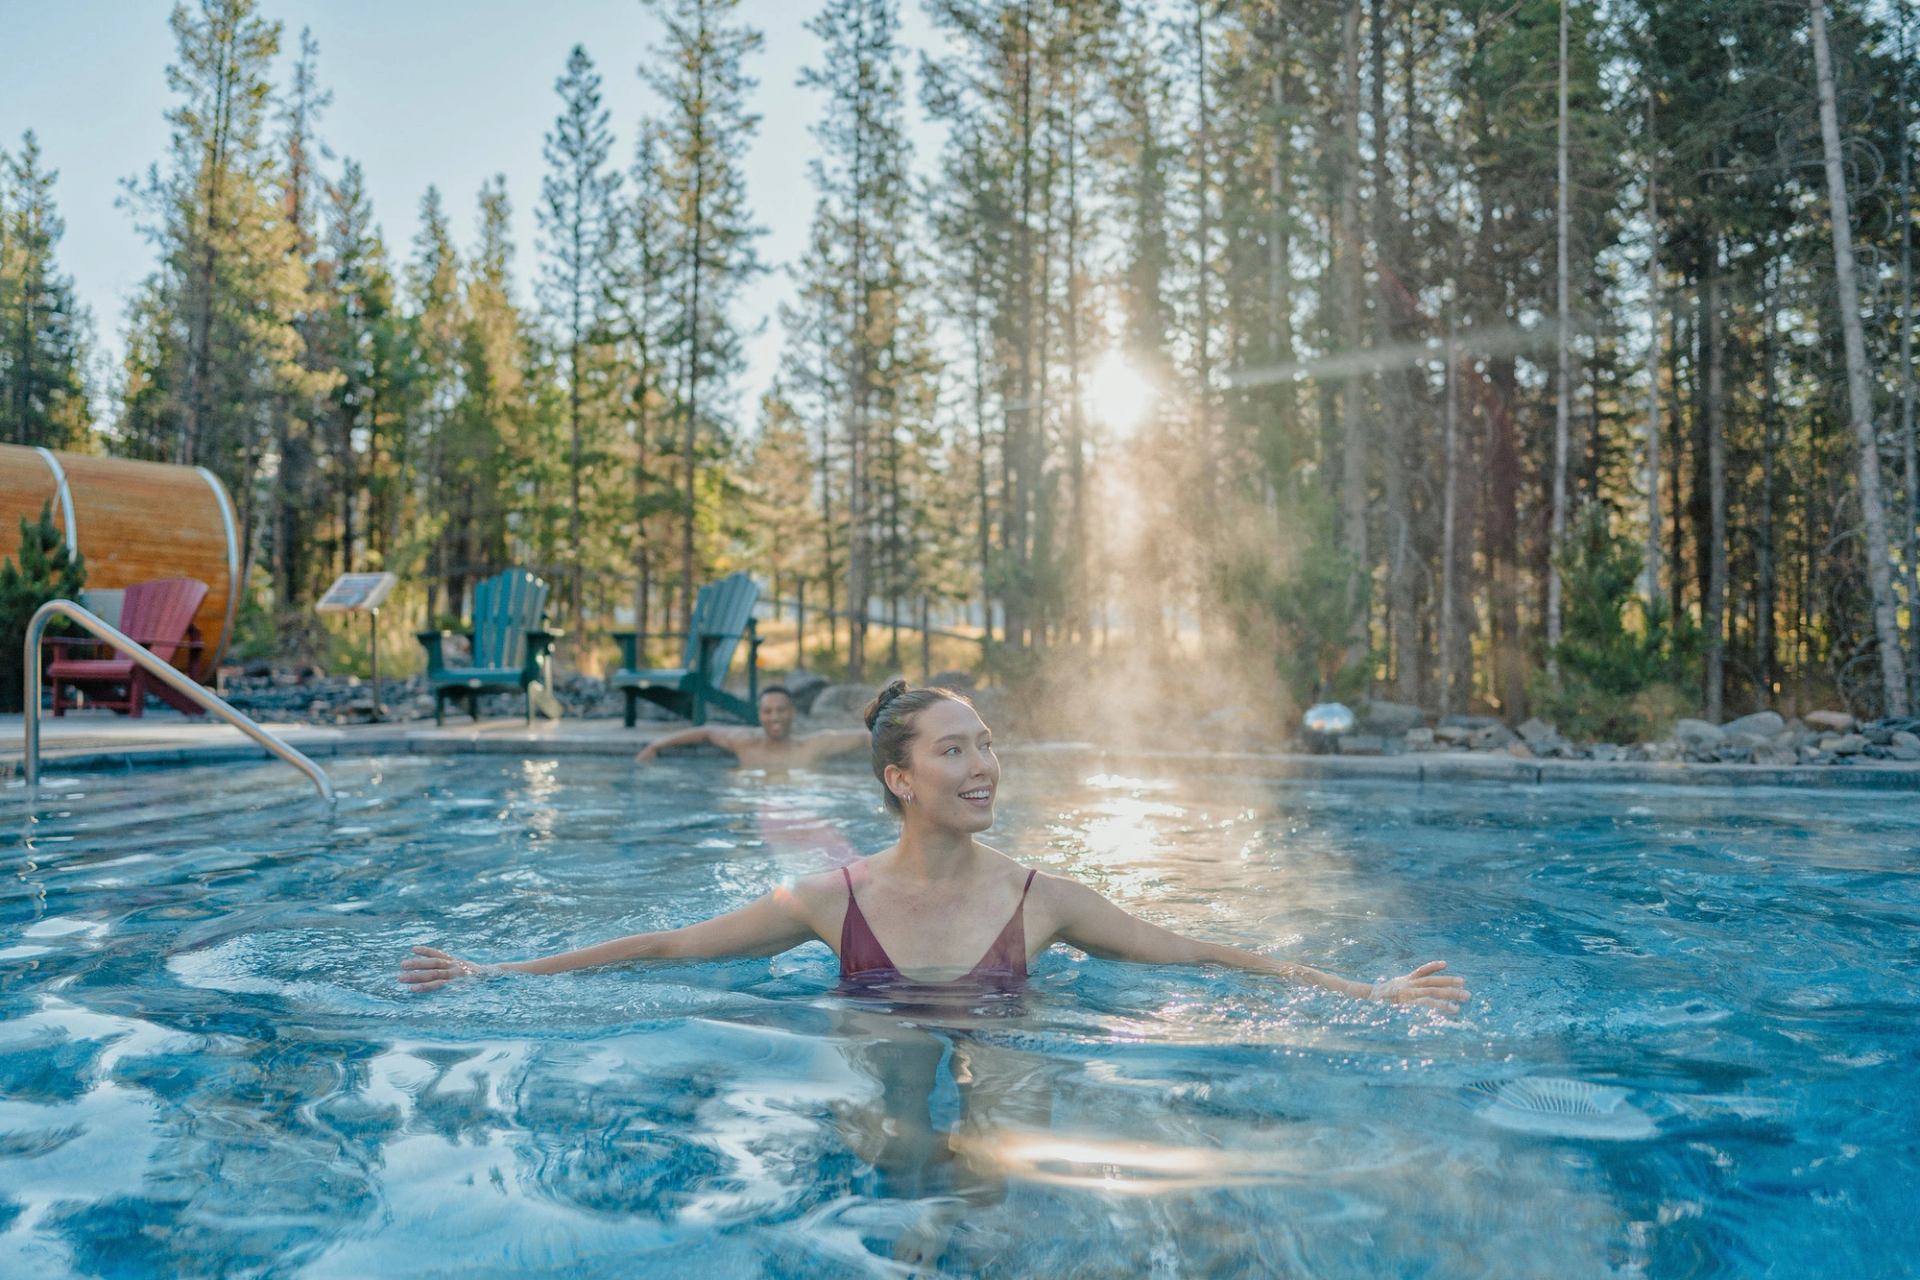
point(425, 92)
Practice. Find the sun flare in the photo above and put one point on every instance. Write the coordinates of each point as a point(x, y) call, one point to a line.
point(1118, 395)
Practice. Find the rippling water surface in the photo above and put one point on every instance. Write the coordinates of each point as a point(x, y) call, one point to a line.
point(1693, 1050)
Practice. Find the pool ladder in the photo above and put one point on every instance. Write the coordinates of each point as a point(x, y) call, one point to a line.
point(165, 672)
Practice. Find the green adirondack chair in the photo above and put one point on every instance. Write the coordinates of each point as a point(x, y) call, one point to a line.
point(722, 615)
point(512, 648)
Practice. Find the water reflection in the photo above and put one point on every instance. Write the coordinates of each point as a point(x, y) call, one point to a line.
point(203, 1066)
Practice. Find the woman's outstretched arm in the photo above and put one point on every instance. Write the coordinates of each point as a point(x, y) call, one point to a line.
point(1098, 927)
point(767, 926)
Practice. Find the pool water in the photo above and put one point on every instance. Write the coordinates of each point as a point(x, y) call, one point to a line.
point(1692, 1049)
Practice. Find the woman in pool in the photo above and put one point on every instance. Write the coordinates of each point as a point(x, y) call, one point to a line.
point(937, 907)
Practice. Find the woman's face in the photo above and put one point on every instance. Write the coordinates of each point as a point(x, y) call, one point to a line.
point(952, 773)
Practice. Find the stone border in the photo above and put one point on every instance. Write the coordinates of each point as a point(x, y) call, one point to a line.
point(1419, 769)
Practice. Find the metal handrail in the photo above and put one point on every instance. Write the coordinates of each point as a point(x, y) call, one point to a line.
point(164, 672)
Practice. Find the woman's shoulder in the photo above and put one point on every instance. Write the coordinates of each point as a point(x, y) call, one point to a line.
point(1036, 880)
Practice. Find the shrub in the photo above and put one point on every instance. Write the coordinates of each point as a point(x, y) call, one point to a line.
point(46, 571)
point(1627, 669)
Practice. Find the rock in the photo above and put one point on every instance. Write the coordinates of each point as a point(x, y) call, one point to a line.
point(1880, 735)
point(1467, 722)
point(1845, 744)
point(1904, 750)
point(1662, 752)
point(1901, 738)
point(1421, 739)
point(1537, 732)
point(1390, 719)
point(1606, 752)
point(1771, 754)
point(1697, 735)
point(839, 702)
point(1831, 721)
point(1761, 724)
point(1493, 737)
point(1519, 750)
point(805, 686)
point(1363, 744)
point(1452, 734)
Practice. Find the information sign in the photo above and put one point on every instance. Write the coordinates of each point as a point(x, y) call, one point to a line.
point(352, 592)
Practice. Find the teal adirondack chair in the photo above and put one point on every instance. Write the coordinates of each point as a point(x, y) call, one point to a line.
point(722, 615)
point(512, 648)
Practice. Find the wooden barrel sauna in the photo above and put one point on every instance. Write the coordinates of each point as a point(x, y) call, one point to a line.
point(133, 521)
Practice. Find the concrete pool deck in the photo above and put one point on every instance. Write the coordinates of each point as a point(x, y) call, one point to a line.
point(99, 740)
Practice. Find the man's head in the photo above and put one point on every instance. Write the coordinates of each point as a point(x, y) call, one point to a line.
point(776, 712)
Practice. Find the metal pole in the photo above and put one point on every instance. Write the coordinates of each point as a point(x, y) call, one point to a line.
point(161, 671)
point(373, 645)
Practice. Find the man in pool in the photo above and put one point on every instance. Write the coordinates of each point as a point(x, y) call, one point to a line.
point(771, 746)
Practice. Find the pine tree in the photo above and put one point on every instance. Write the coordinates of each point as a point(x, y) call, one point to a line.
point(43, 343)
point(701, 73)
point(576, 215)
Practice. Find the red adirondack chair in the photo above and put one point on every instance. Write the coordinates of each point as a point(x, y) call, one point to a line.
point(159, 615)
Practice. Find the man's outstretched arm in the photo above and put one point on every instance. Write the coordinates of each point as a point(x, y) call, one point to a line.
point(704, 734)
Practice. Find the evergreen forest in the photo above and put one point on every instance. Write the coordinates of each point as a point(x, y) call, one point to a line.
point(1507, 356)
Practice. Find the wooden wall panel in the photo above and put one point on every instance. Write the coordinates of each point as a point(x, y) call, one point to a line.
point(136, 521)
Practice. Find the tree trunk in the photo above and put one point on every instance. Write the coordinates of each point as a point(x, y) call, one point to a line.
point(1353, 429)
point(1563, 378)
point(1653, 371)
point(1450, 491)
point(1910, 455)
point(1893, 672)
point(1764, 638)
point(1715, 610)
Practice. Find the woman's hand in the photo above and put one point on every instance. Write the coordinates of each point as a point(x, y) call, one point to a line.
point(427, 969)
point(1420, 987)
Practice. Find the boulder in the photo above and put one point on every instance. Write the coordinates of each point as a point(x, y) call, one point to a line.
point(1519, 750)
point(839, 702)
point(1845, 744)
point(1770, 754)
point(1493, 737)
point(1421, 739)
point(1537, 732)
point(1363, 744)
point(1390, 719)
point(805, 686)
point(1905, 746)
point(1606, 752)
point(1451, 734)
point(1831, 721)
point(1698, 735)
point(1761, 724)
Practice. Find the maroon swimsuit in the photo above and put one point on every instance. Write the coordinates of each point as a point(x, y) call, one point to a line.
point(864, 960)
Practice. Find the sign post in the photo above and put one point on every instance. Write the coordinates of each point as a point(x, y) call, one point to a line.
point(352, 593)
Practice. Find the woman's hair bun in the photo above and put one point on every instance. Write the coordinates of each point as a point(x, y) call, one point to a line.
point(881, 699)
